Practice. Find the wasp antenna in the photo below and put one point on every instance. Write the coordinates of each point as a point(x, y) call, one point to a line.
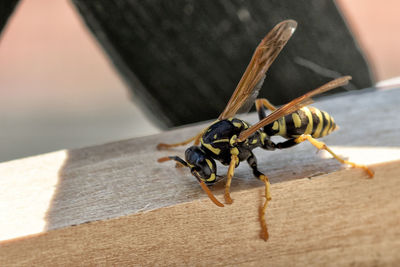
point(207, 190)
point(179, 162)
point(210, 195)
point(163, 159)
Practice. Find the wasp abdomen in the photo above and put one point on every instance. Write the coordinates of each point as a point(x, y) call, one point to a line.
point(307, 120)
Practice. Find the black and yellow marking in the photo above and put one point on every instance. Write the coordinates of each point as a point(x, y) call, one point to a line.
point(307, 120)
point(218, 137)
point(230, 140)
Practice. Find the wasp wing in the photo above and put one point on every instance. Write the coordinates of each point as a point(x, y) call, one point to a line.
point(249, 102)
point(252, 79)
point(294, 105)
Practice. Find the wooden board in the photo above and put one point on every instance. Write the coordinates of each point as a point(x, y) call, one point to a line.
point(335, 219)
point(113, 204)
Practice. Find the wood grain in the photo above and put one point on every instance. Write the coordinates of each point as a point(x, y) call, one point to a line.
point(336, 219)
point(113, 204)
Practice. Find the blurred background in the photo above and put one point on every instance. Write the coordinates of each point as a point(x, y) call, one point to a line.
point(59, 90)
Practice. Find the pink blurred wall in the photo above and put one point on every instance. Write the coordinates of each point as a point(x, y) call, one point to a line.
point(59, 90)
point(376, 25)
point(47, 56)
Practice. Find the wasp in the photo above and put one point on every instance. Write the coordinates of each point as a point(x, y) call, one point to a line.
point(230, 140)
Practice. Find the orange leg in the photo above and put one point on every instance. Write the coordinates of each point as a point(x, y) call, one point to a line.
point(252, 161)
point(231, 171)
point(321, 145)
point(264, 228)
point(263, 102)
point(195, 138)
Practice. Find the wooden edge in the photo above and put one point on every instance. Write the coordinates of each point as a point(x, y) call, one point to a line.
point(114, 203)
point(311, 221)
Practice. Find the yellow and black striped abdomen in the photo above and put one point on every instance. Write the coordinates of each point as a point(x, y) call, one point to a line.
point(307, 120)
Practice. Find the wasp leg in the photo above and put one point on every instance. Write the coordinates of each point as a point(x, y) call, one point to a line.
point(195, 138)
point(253, 164)
point(195, 174)
point(262, 103)
point(231, 171)
point(321, 145)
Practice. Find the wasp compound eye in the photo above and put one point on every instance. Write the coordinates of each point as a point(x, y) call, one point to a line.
point(200, 162)
point(230, 140)
point(194, 155)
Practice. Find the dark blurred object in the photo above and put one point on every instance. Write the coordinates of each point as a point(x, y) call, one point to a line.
point(183, 59)
point(6, 8)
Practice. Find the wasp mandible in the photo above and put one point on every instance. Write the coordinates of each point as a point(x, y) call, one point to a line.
point(231, 140)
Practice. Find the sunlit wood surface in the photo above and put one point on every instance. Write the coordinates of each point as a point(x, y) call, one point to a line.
point(113, 204)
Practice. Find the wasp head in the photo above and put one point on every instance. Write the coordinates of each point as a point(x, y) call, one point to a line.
point(201, 165)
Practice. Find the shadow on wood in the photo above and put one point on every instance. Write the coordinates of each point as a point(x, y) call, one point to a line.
point(113, 204)
point(122, 178)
